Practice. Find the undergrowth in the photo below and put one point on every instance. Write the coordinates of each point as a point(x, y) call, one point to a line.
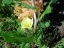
point(11, 35)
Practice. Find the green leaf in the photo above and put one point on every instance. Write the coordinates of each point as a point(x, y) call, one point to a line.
point(20, 31)
point(0, 1)
point(47, 24)
point(39, 40)
point(22, 45)
point(27, 45)
point(43, 25)
point(60, 44)
point(47, 10)
point(1, 24)
point(7, 2)
point(0, 44)
point(0, 15)
point(53, 1)
point(5, 45)
point(44, 46)
point(15, 38)
point(25, 5)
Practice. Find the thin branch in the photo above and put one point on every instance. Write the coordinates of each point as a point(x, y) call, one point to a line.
point(35, 20)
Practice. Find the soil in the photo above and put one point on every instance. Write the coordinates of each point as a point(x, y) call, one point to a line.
point(57, 19)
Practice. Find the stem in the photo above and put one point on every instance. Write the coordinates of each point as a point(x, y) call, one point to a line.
point(42, 16)
point(35, 22)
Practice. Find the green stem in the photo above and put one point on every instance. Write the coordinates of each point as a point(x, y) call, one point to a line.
point(42, 16)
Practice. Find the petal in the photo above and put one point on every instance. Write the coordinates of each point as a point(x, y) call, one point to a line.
point(26, 23)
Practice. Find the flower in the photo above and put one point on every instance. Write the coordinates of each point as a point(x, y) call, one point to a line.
point(26, 23)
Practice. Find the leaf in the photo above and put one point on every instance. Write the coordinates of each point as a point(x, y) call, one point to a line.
point(39, 40)
point(20, 31)
point(5, 45)
point(47, 24)
point(1, 15)
point(27, 45)
point(1, 26)
point(42, 25)
point(26, 5)
point(7, 2)
point(22, 45)
point(47, 10)
point(0, 1)
point(44, 46)
point(53, 1)
point(0, 44)
point(60, 44)
point(15, 38)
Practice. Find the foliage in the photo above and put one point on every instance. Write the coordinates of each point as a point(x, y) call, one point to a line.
point(11, 32)
point(60, 44)
point(48, 9)
point(7, 1)
point(25, 5)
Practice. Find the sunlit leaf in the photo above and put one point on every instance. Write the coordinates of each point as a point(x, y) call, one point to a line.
point(47, 24)
point(7, 2)
point(42, 25)
point(27, 45)
point(47, 10)
point(44, 46)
